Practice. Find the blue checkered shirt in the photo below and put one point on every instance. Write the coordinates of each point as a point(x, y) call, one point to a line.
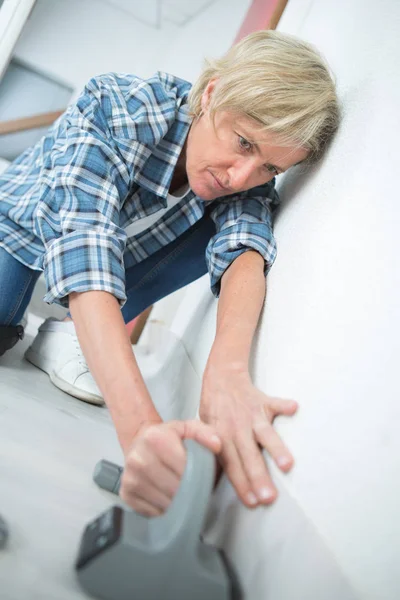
point(107, 162)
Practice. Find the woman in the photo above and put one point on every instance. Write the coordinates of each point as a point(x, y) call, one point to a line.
point(140, 188)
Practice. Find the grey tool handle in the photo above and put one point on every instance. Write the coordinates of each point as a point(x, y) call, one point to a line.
point(185, 517)
point(186, 514)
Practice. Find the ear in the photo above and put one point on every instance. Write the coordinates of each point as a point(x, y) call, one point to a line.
point(207, 93)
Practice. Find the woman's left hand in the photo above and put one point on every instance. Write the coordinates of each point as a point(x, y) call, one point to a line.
point(242, 416)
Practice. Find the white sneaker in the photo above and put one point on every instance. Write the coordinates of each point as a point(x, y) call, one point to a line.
point(57, 352)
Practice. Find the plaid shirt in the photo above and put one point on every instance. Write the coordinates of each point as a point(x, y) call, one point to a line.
point(107, 162)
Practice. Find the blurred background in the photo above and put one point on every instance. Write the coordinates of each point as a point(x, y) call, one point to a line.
point(50, 48)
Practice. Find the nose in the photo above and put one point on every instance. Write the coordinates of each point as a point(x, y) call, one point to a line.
point(241, 174)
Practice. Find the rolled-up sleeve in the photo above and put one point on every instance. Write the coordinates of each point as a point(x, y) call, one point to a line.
point(78, 214)
point(243, 223)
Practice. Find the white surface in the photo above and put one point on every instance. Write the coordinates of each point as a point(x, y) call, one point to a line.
point(13, 15)
point(158, 12)
point(72, 41)
point(96, 37)
point(329, 338)
point(208, 35)
point(49, 445)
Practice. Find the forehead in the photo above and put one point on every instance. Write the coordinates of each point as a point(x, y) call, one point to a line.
point(269, 147)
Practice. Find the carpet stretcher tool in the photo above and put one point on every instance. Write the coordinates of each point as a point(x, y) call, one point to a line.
point(126, 556)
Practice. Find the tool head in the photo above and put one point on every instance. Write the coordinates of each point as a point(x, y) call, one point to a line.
point(125, 556)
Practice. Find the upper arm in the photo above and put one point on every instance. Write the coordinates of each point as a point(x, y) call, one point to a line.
point(84, 181)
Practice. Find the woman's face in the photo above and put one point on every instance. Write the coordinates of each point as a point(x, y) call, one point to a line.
point(233, 156)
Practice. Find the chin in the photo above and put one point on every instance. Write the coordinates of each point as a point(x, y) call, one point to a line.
point(206, 197)
point(202, 191)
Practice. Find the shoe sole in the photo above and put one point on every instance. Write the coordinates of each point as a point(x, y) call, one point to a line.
point(38, 361)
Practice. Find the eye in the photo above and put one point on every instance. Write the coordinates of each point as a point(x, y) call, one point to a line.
point(271, 169)
point(245, 144)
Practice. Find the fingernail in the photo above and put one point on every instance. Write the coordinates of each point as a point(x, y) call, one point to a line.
point(251, 498)
point(216, 439)
point(283, 461)
point(265, 493)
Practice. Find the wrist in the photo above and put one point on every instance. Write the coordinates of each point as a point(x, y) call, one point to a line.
point(232, 344)
point(223, 359)
point(128, 429)
point(225, 370)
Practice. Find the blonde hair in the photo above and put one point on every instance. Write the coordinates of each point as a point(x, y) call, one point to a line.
point(279, 81)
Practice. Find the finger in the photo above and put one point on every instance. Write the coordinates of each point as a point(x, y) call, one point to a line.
point(201, 432)
point(234, 470)
point(140, 506)
point(134, 489)
point(267, 437)
point(279, 406)
point(145, 473)
point(164, 443)
point(256, 469)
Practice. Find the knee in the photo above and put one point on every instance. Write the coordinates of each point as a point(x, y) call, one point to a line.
point(9, 336)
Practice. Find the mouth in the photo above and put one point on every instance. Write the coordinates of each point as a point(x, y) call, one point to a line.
point(218, 185)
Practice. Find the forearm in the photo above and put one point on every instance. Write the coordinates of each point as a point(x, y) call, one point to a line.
point(105, 343)
point(241, 413)
point(239, 306)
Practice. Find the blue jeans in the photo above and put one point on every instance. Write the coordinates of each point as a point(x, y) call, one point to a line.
point(175, 265)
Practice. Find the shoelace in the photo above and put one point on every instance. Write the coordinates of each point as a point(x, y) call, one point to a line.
point(81, 358)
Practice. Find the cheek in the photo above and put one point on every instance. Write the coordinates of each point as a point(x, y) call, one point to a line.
point(198, 181)
point(205, 151)
point(195, 166)
point(263, 179)
point(201, 182)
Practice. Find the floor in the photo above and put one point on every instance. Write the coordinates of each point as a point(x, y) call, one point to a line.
point(49, 445)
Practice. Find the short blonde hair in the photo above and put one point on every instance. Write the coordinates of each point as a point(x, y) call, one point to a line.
point(281, 82)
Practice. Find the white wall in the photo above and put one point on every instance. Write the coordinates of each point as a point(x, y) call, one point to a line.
point(329, 337)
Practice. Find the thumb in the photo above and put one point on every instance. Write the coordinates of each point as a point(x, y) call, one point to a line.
point(200, 432)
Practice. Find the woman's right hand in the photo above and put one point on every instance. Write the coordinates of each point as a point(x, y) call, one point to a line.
point(155, 462)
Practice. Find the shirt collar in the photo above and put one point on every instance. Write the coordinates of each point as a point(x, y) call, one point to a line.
point(156, 173)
